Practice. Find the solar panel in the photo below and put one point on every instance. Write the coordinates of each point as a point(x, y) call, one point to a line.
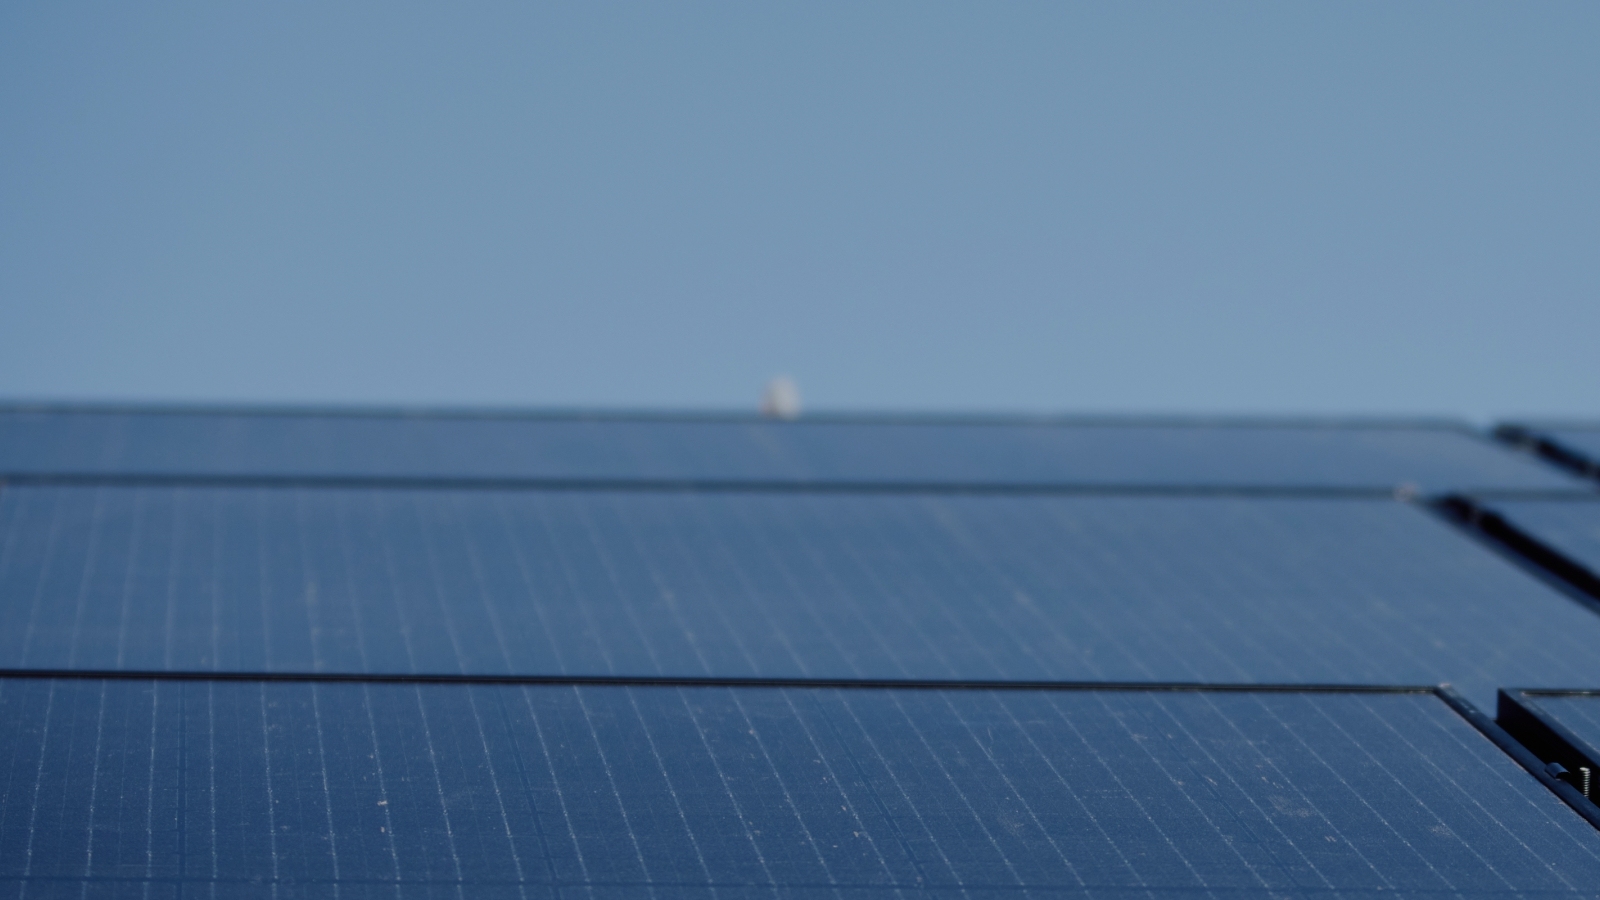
point(1556, 732)
point(776, 585)
point(1569, 525)
point(1376, 456)
point(696, 791)
point(1576, 439)
point(1579, 713)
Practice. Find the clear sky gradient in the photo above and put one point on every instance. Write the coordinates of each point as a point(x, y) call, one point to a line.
point(1045, 207)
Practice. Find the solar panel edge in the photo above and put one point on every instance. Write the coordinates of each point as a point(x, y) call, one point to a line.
point(1513, 746)
point(1467, 459)
point(1501, 534)
point(1222, 488)
point(1537, 442)
point(713, 681)
point(1549, 739)
point(1110, 420)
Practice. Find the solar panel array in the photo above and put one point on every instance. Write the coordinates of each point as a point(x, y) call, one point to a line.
point(352, 655)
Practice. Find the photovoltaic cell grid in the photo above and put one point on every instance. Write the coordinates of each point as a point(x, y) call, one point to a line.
point(699, 792)
point(737, 585)
point(349, 789)
point(1436, 458)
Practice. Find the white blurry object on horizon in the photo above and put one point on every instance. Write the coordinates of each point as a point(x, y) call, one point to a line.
point(781, 399)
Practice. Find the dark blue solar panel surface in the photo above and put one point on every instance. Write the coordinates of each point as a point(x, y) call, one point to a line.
point(734, 584)
point(1580, 713)
point(127, 443)
point(659, 791)
point(1570, 526)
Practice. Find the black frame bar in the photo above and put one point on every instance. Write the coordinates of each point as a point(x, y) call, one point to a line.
point(1548, 449)
point(1492, 528)
point(1551, 742)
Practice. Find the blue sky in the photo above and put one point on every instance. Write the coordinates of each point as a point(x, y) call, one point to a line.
point(1173, 208)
